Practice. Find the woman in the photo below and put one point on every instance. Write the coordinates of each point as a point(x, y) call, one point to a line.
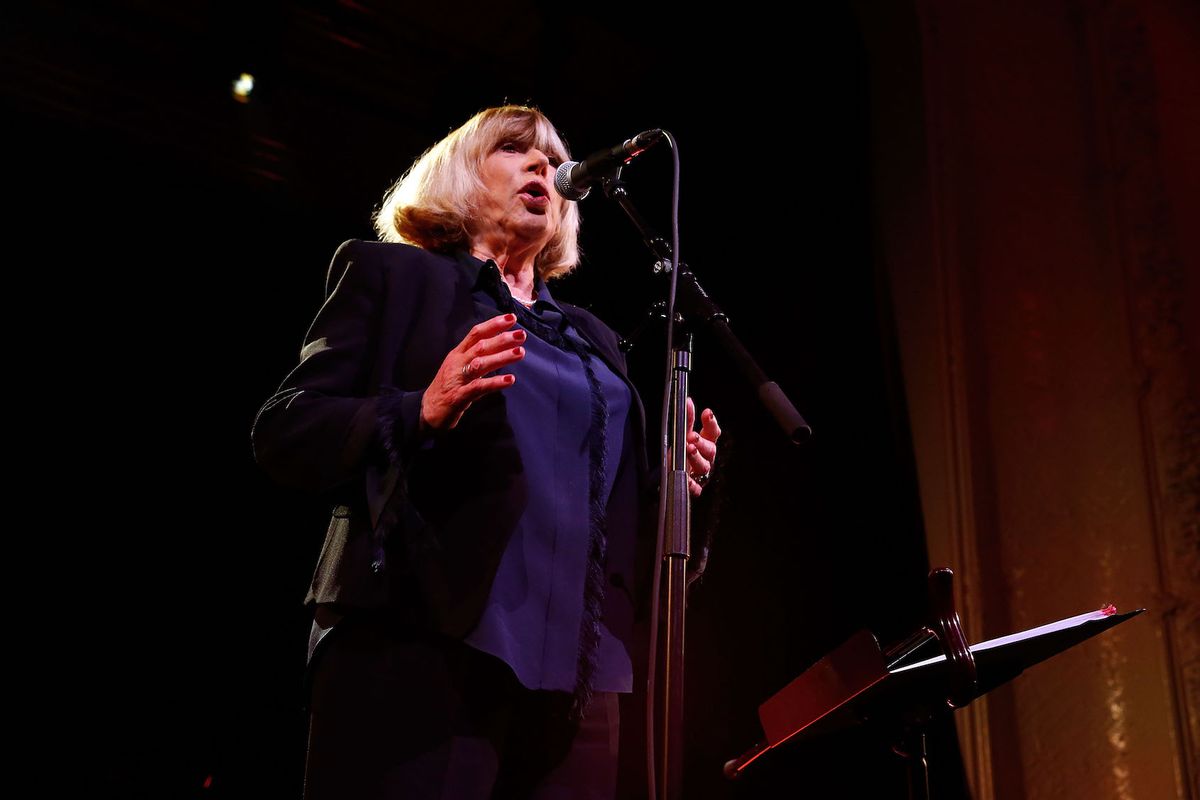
point(487, 455)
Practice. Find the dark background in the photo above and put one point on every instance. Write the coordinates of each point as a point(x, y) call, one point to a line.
point(183, 238)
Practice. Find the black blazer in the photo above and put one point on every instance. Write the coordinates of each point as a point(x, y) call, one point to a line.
point(420, 526)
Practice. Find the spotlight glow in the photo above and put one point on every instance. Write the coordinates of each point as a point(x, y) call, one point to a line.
point(242, 87)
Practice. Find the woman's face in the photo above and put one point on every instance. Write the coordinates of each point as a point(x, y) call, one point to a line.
point(519, 205)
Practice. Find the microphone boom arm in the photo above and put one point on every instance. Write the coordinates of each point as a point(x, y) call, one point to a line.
point(696, 305)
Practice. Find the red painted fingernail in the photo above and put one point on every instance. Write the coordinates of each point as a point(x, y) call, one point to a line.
point(510, 317)
point(516, 351)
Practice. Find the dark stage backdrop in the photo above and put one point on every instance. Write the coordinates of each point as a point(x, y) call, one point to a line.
point(184, 238)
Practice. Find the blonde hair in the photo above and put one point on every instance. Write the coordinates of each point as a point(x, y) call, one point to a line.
point(432, 202)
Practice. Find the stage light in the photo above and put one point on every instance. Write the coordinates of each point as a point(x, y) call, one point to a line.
point(242, 87)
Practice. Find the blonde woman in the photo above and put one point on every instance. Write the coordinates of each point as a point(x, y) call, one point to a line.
point(486, 453)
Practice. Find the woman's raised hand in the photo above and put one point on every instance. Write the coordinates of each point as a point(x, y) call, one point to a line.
point(463, 377)
point(701, 447)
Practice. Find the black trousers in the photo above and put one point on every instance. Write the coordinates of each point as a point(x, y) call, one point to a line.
point(405, 714)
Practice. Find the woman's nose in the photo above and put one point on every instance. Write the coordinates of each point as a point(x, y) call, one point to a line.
point(538, 161)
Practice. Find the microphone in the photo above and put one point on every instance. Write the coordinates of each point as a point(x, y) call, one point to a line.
point(574, 179)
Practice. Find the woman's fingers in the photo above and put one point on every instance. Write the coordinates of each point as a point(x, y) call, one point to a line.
point(701, 446)
point(494, 344)
point(485, 386)
point(698, 462)
point(487, 329)
point(478, 368)
point(507, 353)
point(709, 429)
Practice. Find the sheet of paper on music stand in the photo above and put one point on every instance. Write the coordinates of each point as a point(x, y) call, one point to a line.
point(1002, 659)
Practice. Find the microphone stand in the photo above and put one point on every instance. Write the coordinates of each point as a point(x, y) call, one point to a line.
point(693, 306)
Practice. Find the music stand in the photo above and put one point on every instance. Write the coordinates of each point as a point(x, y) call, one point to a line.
point(858, 682)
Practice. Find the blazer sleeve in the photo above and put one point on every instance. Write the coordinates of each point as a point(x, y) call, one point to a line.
point(326, 423)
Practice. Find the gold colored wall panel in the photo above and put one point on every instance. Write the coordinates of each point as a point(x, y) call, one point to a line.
point(1045, 296)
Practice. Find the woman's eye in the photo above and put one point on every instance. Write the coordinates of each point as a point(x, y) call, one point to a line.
point(510, 147)
point(555, 162)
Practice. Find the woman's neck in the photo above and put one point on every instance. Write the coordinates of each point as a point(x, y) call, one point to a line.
point(516, 268)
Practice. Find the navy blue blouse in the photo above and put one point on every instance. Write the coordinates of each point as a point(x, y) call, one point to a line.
point(535, 618)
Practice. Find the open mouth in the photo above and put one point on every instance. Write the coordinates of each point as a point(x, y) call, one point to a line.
point(535, 194)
